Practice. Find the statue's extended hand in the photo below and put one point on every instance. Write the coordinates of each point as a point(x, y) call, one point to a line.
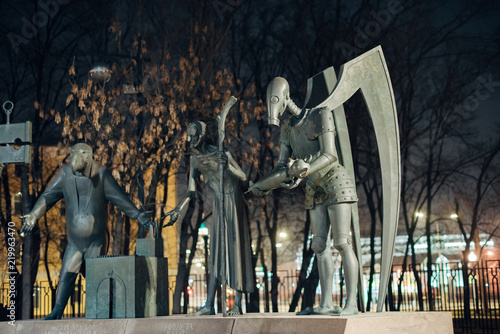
point(29, 222)
point(291, 184)
point(144, 219)
point(298, 168)
point(223, 160)
point(254, 189)
point(174, 215)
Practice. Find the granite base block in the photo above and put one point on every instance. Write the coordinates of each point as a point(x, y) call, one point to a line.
point(373, 323)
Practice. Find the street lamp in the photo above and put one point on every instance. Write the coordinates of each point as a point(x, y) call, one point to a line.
point(472, 257)
point(100, 74)
point(203, 231)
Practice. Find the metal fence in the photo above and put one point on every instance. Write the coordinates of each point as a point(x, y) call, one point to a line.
point(473, 298)
point(448, 290)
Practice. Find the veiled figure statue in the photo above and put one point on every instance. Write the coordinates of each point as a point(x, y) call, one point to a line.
point(205, 160)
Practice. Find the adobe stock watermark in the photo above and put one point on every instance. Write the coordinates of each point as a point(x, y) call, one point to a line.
point(372, 29)
point(461, 112)
point(48, 9)
point(11, 263)
point(223, 6)
point(484, 89)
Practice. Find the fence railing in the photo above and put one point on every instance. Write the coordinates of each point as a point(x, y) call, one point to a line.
point(473, 299)
point(43, 297)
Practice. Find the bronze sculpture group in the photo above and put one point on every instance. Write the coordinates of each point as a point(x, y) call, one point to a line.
point(316, 136)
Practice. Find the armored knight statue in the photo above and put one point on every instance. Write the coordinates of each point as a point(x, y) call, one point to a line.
point(86, 187)
point(310, 134)
point(205, 159)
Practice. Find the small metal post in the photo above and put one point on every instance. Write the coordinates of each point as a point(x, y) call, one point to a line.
point(8, 110)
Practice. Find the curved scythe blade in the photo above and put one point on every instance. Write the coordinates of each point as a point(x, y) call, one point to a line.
point(369, 73)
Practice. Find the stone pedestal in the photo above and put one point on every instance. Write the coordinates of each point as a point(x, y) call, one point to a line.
point(373, 323)
point(126, 287)
point(149, 247)
point(129, 286)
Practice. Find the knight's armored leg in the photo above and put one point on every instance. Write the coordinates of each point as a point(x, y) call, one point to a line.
point(209, 309)
point(237, 304)
point(340, 216)
point(321, 246)
point(69, 271)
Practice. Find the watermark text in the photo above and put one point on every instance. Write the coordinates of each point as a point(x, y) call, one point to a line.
point(48, 9)
point(12, 272)
point(372, 29)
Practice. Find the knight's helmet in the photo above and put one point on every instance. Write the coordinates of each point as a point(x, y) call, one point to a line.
point(278, 98)
point(319, 87)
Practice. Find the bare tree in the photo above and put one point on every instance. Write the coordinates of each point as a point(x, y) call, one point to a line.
point(475, 195)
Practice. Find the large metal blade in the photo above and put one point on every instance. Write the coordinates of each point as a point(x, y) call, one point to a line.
point(369, 74)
